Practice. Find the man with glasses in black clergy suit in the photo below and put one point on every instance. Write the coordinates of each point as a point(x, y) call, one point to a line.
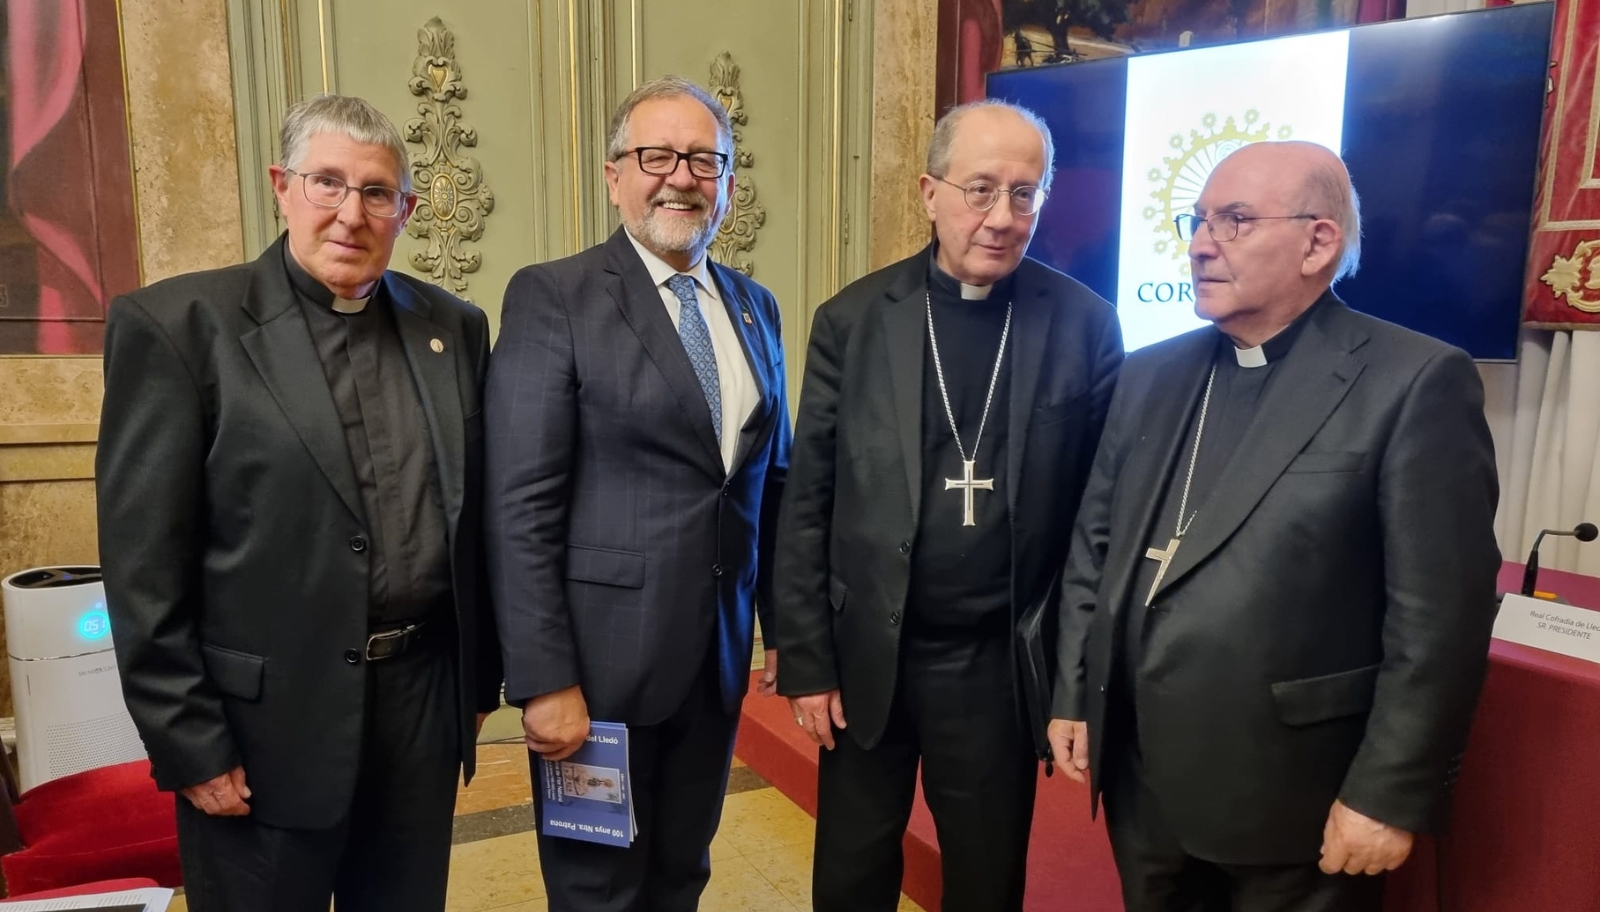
point(289, 477)
point(1278, 604)
point(951, 406)
point(638, 437)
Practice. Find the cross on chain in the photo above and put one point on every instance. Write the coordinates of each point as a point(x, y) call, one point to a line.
point(967, 484)
point(1165, 559)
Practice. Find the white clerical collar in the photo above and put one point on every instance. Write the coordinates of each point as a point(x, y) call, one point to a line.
point(1273, 349)
point(660, 270)
point(1250, 357)
point(347, 306)
point(975, 292)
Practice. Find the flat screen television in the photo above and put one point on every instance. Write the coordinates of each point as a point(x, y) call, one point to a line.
point(1437, 118)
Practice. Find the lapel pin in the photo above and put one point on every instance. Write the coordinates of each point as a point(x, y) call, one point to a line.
point(747, 320)
point(436, 345)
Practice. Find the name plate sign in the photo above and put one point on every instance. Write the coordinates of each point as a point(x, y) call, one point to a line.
point(1549, 626)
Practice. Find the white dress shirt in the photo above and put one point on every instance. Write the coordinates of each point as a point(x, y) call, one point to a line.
point(740, 395)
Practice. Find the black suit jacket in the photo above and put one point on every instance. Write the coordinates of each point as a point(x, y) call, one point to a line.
point(1324, 629)
point(850, 514)
point(228, 506)
point(621, 546)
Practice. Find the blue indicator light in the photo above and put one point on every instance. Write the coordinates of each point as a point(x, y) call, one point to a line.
point(95, 625)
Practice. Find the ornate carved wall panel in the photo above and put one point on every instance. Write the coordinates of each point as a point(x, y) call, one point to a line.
point(737, 235)
point(452, 196)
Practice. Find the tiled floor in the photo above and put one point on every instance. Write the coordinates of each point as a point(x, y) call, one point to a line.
point(760, 860)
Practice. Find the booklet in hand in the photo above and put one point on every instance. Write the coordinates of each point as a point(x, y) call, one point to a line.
point(589, 795)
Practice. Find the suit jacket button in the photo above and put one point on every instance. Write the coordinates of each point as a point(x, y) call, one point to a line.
point(894, 619)
point(358, 544)
point(352, 656)
point(725, 489)
point(905, 547)
point(716, 569)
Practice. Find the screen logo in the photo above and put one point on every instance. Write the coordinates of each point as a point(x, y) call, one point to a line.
point(1183, 174)
point(1186, 112)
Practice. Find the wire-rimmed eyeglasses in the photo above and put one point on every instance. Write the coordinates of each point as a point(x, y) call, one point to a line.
point(981, 195)
point(329, 192)
point(1224, 226)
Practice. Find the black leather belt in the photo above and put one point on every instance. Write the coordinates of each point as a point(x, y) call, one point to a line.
point(390, 643)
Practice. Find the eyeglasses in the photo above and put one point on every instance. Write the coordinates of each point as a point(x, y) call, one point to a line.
point(329, 192)
point(981, 195)
point(1224, 225)
point(659, 160)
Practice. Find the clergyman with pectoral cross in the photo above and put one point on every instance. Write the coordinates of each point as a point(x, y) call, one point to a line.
point(1281, 587)
point(950, 409)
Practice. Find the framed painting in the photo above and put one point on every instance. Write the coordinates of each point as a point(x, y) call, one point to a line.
point(68, 234)
point(978, 37)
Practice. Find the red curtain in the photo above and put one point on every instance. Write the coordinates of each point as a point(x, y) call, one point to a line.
point(982, 44)
point(1562, 289)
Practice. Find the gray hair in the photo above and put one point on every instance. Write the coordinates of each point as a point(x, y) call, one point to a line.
point(944, 136)
point(1332, 194)
point(665, 87)
point(342, 115)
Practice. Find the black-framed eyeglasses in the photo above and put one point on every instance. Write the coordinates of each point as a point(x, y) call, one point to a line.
point(328, 191)
point(1225, 225)
point(661, 161)
point(981, 195)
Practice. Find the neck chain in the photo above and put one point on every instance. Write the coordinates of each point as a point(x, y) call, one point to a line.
point(1194, 455)
point(944, 393)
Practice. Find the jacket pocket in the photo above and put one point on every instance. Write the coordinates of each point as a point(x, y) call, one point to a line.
point(1057, 411)
point(606, 566)
point(837, 591)
point(237, 674)
point(1309, 463)
point(1312, 700)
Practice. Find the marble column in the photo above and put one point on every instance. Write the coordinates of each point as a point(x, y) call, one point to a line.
point(904, 66)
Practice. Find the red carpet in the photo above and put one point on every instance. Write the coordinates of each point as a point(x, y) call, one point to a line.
point(1526, 821)
point(1069, 860)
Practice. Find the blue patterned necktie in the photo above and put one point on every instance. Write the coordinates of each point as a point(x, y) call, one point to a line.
point(696, 338)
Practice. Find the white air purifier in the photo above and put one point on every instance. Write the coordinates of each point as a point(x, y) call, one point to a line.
point(70, 714)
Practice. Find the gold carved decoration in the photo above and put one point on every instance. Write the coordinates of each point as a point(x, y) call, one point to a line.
point(452, 197)
point(1566, 276)
point(738, 232)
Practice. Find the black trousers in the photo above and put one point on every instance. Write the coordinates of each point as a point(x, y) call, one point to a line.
point(390, 853)
point(955, 710)
point(680, 774)
point(1159, 876)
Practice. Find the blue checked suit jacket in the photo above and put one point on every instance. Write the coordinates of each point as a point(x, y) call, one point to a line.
point(620, 548)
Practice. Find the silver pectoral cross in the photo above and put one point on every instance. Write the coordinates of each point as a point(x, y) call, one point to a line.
point(1165, 557)
point(967, 484)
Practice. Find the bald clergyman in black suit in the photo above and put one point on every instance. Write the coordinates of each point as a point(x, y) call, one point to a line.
point(1277, 609)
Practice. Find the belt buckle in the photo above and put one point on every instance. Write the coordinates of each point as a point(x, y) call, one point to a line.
point(400, 640)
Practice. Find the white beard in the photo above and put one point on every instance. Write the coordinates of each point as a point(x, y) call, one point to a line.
point(674, 235)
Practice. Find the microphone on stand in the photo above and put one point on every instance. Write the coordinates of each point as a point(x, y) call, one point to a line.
point(1584, 532)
